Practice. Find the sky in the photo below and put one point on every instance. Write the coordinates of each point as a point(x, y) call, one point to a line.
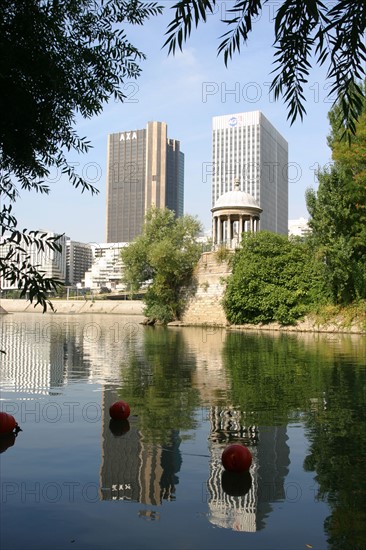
point(186, 91)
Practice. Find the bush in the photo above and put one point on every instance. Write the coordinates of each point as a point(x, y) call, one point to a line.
point(274, 278)
point(223, 254)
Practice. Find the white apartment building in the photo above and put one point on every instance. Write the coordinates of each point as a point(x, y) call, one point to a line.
point(246, 146)
point(106, 270)
point(52, 263)
point(299, 227)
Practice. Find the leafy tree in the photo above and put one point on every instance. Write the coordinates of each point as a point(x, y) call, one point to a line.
point(58, 59)
point(337, 235)
point(165, 255)
point(338, 212)
point(306, 32)
point(335, 239)
point(351, 156)
point(273, 279)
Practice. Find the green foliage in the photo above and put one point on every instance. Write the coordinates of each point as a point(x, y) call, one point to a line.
point(157, 384)
point(281, 379)
point(16, 266)
point(342, 316)
point(223, 254)
point(306, 32)
point(165, 255)
point(338, 211)
point(59, 59)
point(352, 158)
point(338, 235)
point(273, 279)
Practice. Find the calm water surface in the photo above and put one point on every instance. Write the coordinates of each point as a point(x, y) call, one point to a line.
point(74, 479)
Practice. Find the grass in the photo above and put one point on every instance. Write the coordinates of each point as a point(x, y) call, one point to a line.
point(342, 316)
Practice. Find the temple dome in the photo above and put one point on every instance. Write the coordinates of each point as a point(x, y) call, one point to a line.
point(236, 199)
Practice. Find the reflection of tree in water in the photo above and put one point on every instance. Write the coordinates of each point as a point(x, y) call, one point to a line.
point(157, 383)
point(284, 378)
point(337, 454)
point(272, 378)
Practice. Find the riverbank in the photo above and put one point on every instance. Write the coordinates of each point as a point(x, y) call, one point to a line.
point(122, 307)
point(331, 320)
point(337, 325)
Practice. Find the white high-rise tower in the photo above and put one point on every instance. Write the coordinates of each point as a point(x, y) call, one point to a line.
point(246, 146)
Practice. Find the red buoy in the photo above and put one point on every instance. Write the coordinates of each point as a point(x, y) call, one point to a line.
point(7, 423)
point(236, 458)
point(6, 441)
point(120, 410)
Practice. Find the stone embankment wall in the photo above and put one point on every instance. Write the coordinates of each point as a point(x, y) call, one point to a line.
point(122, 307)
point(205, 295)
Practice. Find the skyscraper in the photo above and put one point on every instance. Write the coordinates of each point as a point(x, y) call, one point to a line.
point(246, 146)
point(144, 168)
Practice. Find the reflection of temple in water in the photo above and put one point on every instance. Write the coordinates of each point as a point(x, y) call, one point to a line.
point(246, 512)
point(132, 469)
point(209, 377)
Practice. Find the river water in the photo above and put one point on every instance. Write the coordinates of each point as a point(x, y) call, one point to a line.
point(72, 478)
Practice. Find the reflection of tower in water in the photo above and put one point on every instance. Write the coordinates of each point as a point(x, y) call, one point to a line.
point(133, 469)
point(247, 510)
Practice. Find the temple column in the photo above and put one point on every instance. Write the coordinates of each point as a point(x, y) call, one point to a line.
point(229, 232)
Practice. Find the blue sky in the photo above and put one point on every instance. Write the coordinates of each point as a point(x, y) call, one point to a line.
point(186, 91)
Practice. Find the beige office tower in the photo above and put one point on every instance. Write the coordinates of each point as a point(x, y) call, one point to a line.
point(248, 148)
point(144, 168)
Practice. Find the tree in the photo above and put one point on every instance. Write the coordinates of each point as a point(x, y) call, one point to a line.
point(338, 212)
point(58, 59)
point(273, 279)
point(164, 254)
point(306, 31)
point(336, 233)
point(351, 156)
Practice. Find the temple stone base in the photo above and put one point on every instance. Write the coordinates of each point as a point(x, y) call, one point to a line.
point(205, 295)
